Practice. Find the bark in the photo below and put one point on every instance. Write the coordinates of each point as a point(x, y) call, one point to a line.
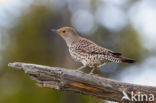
point(70, 80)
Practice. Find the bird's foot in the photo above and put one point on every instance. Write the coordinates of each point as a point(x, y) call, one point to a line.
point(92, 74)
point(92, 71)
point(82, 67)
point(78, 70)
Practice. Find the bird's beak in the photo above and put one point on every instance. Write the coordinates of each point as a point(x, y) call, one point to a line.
point(53, 30)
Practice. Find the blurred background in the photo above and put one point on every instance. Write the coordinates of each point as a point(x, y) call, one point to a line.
point(126, 26)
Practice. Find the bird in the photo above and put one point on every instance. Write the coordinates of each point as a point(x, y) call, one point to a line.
point(87, 52)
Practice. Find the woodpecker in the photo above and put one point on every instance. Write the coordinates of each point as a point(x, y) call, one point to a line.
point(87, 52)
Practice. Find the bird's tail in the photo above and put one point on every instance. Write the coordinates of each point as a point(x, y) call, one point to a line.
point(127, 60)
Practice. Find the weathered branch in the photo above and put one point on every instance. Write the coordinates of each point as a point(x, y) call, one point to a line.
point(71, 80)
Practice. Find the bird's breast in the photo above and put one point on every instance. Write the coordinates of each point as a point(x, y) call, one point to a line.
point(78, 56)
point(86, 59)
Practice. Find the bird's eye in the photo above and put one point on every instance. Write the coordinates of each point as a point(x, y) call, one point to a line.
point(63, 31)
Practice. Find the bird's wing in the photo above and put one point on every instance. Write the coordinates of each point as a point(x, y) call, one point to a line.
point(88, 47)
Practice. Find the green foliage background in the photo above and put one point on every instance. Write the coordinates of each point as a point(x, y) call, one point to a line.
point(31, 41)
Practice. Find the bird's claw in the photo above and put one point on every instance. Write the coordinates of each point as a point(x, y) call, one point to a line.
point(91, 73)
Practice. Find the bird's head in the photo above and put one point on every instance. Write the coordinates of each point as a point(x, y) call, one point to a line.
point(67, 33)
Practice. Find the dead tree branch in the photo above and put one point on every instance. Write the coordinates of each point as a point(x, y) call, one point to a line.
point(71, 80)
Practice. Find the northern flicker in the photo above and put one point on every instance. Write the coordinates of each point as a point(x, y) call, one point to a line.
point(87, 52)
